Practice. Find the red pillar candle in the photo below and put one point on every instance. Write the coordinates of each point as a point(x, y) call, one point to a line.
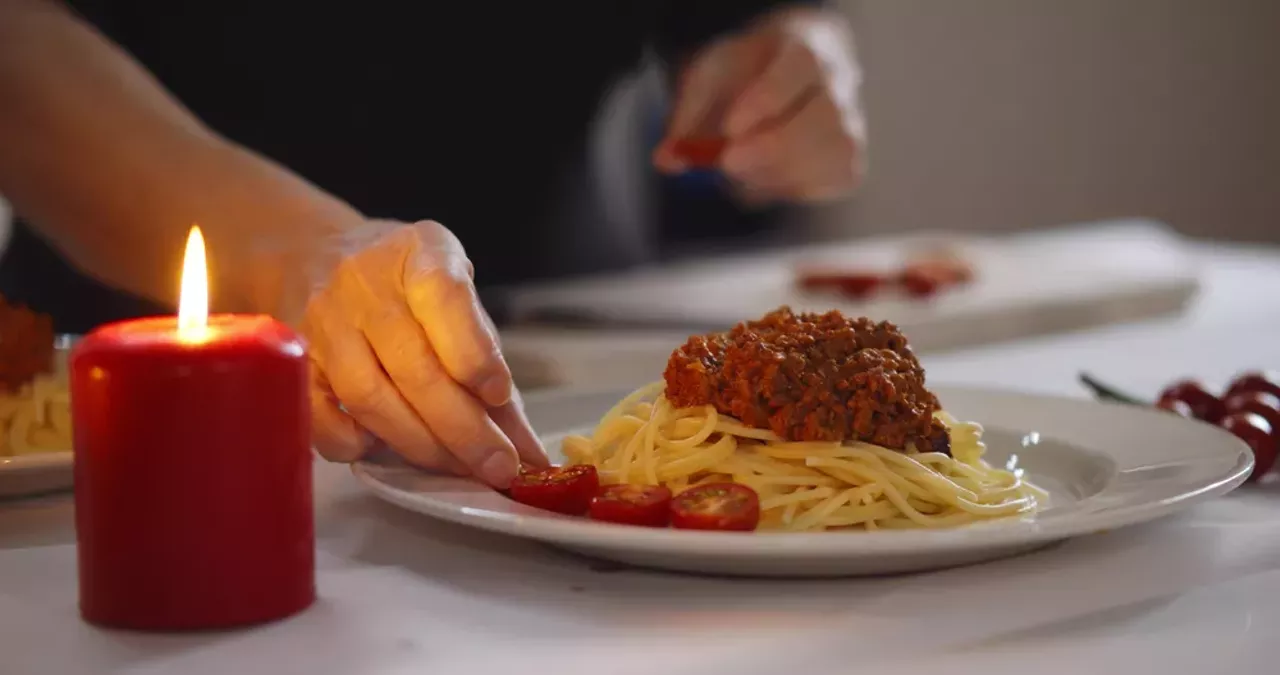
point(192, 469)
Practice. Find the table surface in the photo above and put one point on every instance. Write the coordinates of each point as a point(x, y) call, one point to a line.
point(400, 593)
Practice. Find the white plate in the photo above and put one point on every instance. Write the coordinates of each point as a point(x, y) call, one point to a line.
point(1106, 466)
point(25, 475)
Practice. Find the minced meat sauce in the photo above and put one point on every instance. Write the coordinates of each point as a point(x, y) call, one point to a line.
point(812, 377)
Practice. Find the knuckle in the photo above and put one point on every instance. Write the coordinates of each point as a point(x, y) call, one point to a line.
point(442, 285)
point(430, 234)
point(349, 270)
point(420, 378)
point(486, 365)
point(401, 235)
point(429, 226)
point(313, 315)
point(359, 395)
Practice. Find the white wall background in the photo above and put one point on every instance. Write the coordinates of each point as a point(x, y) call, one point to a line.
point(1002, 114)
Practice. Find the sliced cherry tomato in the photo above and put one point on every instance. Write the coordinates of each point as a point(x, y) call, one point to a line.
point(860, 284)
point(1257, 433)
point(644, 505)
point(563, 489)
point(1204, 406)
point(699, 153)
point(920, 283)
point(813, 279)
point(716, 506)
point(853, 283)
point(945, 270)
point(1268, 382)
point(1260, 403)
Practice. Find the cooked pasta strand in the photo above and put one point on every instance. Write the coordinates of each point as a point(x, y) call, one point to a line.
point(804, 486)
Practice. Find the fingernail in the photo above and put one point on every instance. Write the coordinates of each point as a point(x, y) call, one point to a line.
point(499, 469)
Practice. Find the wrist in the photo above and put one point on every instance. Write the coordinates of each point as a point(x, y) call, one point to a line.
point(279, 235)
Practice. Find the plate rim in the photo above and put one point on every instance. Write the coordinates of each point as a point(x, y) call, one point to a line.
point(569, 531)
point(52, 459)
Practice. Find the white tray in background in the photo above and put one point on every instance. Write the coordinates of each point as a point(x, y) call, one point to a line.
point(1048, 281)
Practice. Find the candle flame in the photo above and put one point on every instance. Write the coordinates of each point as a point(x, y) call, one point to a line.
point(193, 301)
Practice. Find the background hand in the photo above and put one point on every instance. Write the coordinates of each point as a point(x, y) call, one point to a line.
point(403, 352)
point(783, 96)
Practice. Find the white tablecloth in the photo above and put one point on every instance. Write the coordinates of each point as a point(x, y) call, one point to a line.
point(1195, 593)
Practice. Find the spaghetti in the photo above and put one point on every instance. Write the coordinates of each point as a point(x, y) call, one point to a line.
point(803, 486)
point(35, 404)
point(36, 418)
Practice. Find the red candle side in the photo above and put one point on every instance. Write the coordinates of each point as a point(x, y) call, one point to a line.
point(193, 474)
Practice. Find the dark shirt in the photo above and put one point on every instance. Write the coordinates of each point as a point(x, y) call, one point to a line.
point(471, 113)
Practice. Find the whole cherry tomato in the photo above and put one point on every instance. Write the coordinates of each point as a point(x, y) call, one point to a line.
point(1268, 382)
point(716, 506)
point(1260, 403)
point(1176, 406)
point(644, 505)
point(1257, 433)
point(1204, 406)
point(563, 489)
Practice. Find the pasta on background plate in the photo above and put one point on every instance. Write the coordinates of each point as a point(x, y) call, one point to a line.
point(35, 403)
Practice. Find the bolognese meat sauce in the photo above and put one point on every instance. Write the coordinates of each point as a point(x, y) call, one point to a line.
point(812, 377)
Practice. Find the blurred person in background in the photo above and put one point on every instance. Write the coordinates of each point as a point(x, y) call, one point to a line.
point(309, 140)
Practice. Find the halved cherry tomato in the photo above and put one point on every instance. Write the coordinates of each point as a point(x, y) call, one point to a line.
point(1204, 406)
point(860, 284)
point(1268, 382)
point(644, 505)
point(716, 506)
point(1257, 433)
point(563, 489)
point(699, 153)
point(947, 271)
point(919, 283)
point(852, 283)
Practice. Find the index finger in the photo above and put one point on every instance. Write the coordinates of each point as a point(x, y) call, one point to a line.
point(443, 300)
point(513, 422)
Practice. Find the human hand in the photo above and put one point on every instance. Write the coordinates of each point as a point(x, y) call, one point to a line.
point(782, 96)
point(403, 353)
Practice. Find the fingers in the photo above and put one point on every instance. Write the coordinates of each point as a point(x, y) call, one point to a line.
point(335, 435)
point(367, 393)
point(513, 422)
point(781, 88)
point(402, 342)
point(700, 105)
point(813, 156)
point(452, 414)
point(442, 299)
